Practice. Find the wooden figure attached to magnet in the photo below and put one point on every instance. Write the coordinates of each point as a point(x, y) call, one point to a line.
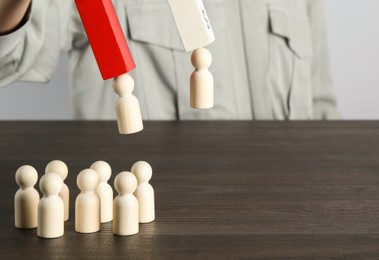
point(196, 32)
point(112, 55)
point(127, 106)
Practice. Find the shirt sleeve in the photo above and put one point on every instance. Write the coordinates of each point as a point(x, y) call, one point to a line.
point(9, 41)
point(324, 101)
point(31, 53)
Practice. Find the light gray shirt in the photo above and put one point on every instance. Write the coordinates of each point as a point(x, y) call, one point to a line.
point(270, 59)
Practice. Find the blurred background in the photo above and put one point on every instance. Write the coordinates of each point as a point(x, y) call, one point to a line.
point(353, 27)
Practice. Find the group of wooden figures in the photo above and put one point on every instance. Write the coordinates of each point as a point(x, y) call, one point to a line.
point(134, 203)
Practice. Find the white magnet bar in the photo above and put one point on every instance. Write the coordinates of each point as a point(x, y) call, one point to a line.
point(192, 22)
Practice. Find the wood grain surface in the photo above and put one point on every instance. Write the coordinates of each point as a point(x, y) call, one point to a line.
point(224, 190)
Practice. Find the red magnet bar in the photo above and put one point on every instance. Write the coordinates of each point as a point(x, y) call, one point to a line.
point(106, 37)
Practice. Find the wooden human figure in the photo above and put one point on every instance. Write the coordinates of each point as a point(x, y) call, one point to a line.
point(104, 190)
point(51, 207)
point(196, 32)
point(128, 110)
point(125, 205)
point(201, 80)
point(144, 192)
point(26, 198)
point(61, 169)
point(87, 203)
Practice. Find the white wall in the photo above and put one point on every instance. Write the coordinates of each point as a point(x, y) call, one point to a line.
point(27, 101)
point(354, 45)
point(353, 27)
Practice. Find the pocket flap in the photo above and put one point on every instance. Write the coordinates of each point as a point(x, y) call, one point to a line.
point(294, 27)
point(152, 22)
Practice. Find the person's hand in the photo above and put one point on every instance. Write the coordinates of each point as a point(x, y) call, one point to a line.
point(12, 13)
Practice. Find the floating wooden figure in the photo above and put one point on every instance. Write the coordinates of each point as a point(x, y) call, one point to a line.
point(127, 106)
point(196, 32)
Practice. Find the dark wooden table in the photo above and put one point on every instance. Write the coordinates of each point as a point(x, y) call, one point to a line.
point(223, 189)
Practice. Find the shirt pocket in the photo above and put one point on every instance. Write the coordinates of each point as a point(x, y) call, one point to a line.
point(292, 26)
point(290, 56)
point(151, 22)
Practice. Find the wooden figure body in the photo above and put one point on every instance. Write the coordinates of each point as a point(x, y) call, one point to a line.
point(26, 198)
point(104, 190)
point(61, 169)
point(128, 110)
point(144, 192)
point(125, 205)
point(87, 203)
point(51, 207)
point(196, 32)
